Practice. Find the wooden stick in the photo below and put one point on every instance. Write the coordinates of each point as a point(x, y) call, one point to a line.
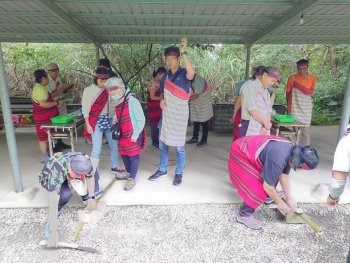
point(310, 222)
point(80, 225)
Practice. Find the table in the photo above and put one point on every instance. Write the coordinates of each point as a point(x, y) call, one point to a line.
point(289, 129)
point(62, 131)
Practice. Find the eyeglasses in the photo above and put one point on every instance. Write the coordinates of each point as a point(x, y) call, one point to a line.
point(53, 69)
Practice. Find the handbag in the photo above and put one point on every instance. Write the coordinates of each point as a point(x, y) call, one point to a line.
point(115, 129)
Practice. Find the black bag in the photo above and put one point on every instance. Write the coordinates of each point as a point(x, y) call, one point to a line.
point(115, 129)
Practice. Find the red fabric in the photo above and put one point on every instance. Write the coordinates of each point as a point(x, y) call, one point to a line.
point(154, 110)
point(175, 90)
point(302, 89)
point(126, 146)
point(236, 123)
point(245, 167)
point(41, 116)
point(95, 111)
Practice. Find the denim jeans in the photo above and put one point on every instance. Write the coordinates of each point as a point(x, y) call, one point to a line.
point(155, 135)
point(66, 193)
point(164, 154)
point(97, 145)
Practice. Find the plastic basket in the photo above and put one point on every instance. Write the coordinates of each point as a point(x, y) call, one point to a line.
point(283, 118)
point(62, 119)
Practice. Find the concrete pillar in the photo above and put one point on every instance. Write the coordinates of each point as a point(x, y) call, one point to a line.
point(247, 62)
point(10, 132)
point(346, 109)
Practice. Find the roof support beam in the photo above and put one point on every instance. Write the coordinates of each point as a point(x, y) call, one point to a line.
point(202, 2)
point(160, 27)
point(216, 36)
point(55, 10)
point(294, 11)
point(25, 14)
point(172, 16)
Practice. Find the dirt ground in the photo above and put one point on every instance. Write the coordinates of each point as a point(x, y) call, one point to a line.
point(182, 233)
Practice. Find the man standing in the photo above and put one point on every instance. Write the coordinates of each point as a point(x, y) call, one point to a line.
point(175, 88)
point(56, 89)
point(201, 110)
point(299, 90)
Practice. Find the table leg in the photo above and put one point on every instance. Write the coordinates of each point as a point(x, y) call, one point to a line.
point(71, 135)
point(298, 135)
point(50, 142)
point(277, 130)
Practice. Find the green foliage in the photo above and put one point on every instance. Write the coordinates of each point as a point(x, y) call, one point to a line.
point(222, 65)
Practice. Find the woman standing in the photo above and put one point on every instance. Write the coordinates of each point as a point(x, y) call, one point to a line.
point(97, 110)
point(256, 102)
point(131, 119)
point(44, 108)
point(153, 108)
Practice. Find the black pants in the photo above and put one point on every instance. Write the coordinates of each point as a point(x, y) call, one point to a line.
point(155, 135)
point(131, 164)
point(205, 130)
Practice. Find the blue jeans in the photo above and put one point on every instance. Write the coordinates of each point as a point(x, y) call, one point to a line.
point(97, 145)
point(180, 158)
point(66, 193)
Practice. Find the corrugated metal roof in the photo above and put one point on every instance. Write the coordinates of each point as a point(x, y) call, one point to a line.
point(160, 21)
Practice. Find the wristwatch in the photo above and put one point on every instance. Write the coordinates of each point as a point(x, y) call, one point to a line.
point(91, 197)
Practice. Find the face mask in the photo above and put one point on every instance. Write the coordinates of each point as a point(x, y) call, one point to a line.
point(79, 186)
point(116, 97)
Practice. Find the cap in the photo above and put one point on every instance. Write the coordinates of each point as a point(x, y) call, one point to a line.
point(81, 165)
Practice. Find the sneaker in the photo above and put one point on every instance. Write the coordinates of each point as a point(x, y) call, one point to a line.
point(117, 169)
point(129, 184)
point(157, 174)
point(155, 146)
point(44, 158)
point(249, 221)
point(192, 141)
point(269, 200)
point(122, 176)
point(62, 145)
point(201, 144)
point(177, 179)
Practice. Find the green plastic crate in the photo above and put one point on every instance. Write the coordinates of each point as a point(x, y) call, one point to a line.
point(62, 119)
point(283, 118)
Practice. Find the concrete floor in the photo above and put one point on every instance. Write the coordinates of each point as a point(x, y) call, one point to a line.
point(205, 178)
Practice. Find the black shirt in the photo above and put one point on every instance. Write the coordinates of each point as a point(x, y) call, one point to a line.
point(274, 158)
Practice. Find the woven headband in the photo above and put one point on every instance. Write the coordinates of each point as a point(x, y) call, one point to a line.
point(102, 76)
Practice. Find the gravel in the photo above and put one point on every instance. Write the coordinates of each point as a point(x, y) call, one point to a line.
point(186, 233)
